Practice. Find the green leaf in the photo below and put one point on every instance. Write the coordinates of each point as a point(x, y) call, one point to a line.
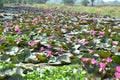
point(86, 55)
point(24, 54)
point(116, 59)
point(41, 58)
point(104, 54)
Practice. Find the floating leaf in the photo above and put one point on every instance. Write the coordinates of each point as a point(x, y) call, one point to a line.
point(86, 55)
point(116, 59)
point(12, 51)
point(104, 54)
point(41, 58)
point(24, 54)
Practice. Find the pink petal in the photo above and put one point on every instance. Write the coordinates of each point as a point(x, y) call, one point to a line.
point(93, 61)
point(18, 39)
point(51, 37)
point(85, 59)
point(109, 60)
point(101, 32)
point(85, 43)
point(92, 32)
point(42, 49)
point(102, 65)
point(2, 39)
point(32, 43)
point(90, 51)
point(49, 53)
point(17, 28)
point(49, 46)
point(117, 75)
point(117, 68)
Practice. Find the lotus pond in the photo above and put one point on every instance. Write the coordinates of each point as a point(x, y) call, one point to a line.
point(55, 44)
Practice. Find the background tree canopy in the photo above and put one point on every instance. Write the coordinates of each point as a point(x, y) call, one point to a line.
point(1, 3)
point(68, 2)
point(85, 2)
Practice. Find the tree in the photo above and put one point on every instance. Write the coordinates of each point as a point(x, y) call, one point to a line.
point(69, 2)
point(41, 1)
point(92, 1)
point(85, 2)
point(1, 3)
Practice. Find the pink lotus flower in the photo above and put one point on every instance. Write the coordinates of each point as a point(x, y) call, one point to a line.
point(51, 37)
point(93, 61)
point(2, 39)
point(6, 23)
point(17, 29)
point(18, 32)
point(42, 48)
point(49, 46)
point(32, 43)
point(49, 53)
point(27, 27)
point(90, 51)
point(41, 20)
point(61, 49)
point(77, 40)
point(117, 75)
point(35, 19)
point(60, 25)
point(10, 24)
point(85, 43)
point(48, 15)
point(114, 43)
point(85, 59)
point(69, 36)
point(17, 39)
point(64, 30)
point(6, 29)
point(92, 32)
point(109, 60)
point(102, 66)
point(101, 36)
point(117, 69)
point(40, 29)
point(101, 32)
point(84, 21)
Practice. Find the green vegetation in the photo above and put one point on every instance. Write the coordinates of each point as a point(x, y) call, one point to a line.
point(21, 2)
point(104, 10)
point(1, 3)
point(92, 1)
point(49, 73)
point(58, 73)
point(69, 2)
point(4, 66)
point(85, 2)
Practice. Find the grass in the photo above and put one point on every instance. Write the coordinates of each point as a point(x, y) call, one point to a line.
point(71, 72)
point(5, 66)
point(104, 10)
point(58, 73)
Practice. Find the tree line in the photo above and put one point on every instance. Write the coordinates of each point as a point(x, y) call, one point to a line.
point(68, 2)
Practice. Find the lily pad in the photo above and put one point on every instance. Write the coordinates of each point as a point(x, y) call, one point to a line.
point(116, 59)
point(23, 54)
point(12, 51)
point(41, 58)
point(104, 54)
